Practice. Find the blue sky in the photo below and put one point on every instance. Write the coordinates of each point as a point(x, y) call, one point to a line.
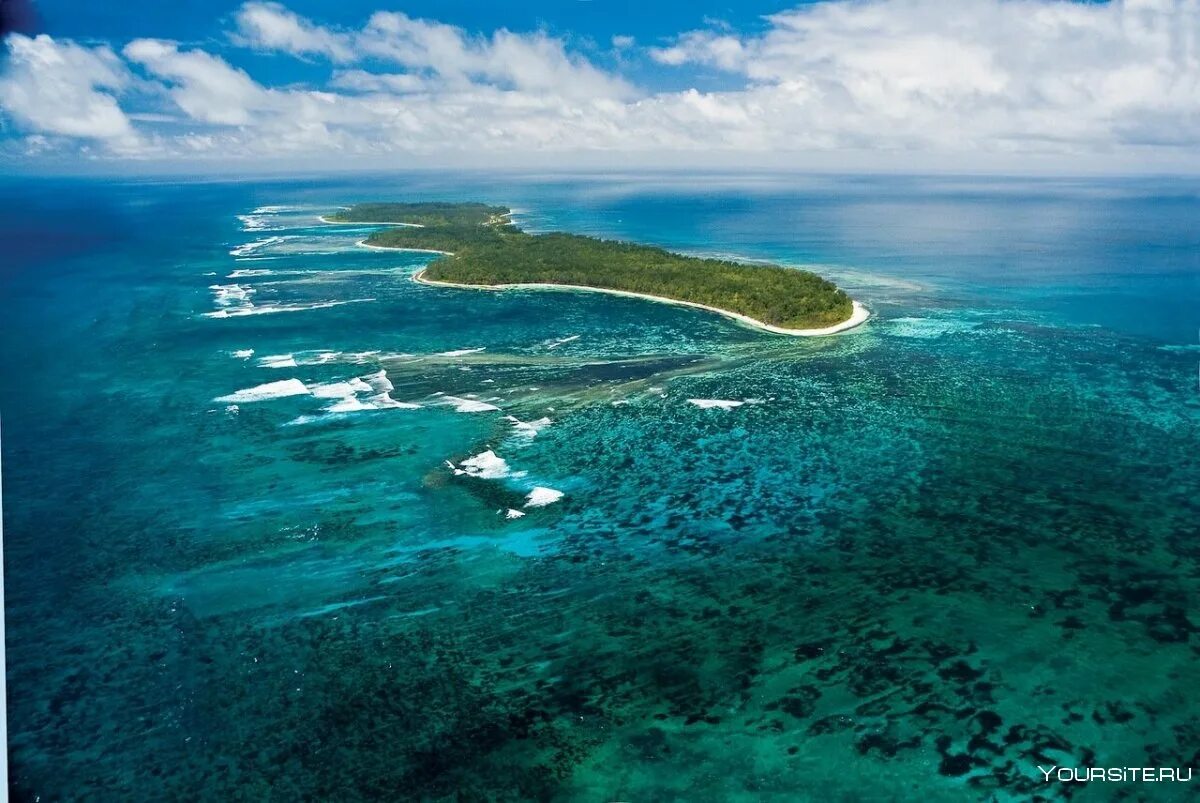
point(1020, 85)
point(601, 19)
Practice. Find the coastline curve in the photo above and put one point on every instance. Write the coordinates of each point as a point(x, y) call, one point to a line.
point(858, 316)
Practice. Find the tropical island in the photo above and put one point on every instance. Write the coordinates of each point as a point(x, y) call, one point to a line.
point(482, 249)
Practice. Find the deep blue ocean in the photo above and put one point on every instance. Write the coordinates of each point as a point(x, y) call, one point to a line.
point(281, 524)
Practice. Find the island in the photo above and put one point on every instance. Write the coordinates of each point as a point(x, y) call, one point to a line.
point(482, 249)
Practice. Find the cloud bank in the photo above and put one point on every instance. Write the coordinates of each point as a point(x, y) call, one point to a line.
point(967, 81)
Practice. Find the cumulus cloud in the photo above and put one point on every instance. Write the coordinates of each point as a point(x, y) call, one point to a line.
point(532, 61)
point(270, 26)
point(65, 89)
point(204, 86)
point(282, 121)
point(525, 62)
point(972, 79)
point(989, 74)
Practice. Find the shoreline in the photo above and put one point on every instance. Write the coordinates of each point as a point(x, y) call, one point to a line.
point(858, 315)
point(329, 222)
point(365, 244)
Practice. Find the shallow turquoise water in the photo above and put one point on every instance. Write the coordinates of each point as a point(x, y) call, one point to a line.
point(922, 557)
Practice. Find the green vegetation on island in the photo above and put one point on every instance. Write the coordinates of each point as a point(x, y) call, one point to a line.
point(487, 251)
point(434, 213)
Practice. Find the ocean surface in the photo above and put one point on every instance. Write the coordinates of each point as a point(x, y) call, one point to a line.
point(281, 524)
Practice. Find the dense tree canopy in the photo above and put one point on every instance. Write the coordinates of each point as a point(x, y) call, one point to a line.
point(435, 213)
point(486, 250)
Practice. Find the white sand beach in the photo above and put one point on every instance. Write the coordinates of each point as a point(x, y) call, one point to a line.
point(857, 316)
point(327, 221)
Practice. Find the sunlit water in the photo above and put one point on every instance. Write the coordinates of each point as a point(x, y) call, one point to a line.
point(281, 523)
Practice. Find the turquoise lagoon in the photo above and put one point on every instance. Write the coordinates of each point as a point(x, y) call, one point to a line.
point(258, 486)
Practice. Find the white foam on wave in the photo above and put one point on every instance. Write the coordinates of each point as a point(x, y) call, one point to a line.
point(553, 344)
point(338, 390)
point(277, 361)
point(383, 401)
point(468, 405)
point(513, 513)
point(242, 354)
point(460, 352)
point(254, 222)
point(541, 496)
point(313, 276)
point(265, 218)
point(257, 245)
point(271, 390)
point(272, 210)
point(268, 309)
point(345, 396)
point(348, 404)
point(721, 404)
point(486, 466)
point(366, 356)
point(327, 357)
point(528, 429)
point(379, 382)
point(229, 295)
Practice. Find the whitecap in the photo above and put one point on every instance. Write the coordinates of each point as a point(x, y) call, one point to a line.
point(345, 397)
point(277, 361)
point(528, 429)
point(348, 404)
point(268, 309)
point(722, 404)
point(468, 405)
point(271, 390)
point(485, 466)
point(379, 381)
point(513, 513)
point(255, 222)
point(460, 352)
point(228, 295)
point(338, 390)
point(382, 401)
point(249, 248)
point(270, 210)
point(541, 496)
point(553, 344)
point(242, 354)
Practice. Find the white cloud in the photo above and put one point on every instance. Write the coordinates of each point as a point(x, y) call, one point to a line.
point(267, 121)
point(399, 83)
point(968, 83)
point(65, 89)
point(975, 74)
point(531, 62)
point(204, 86)
point(270, 26)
